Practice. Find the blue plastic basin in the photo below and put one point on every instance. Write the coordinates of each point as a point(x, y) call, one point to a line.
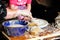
point(15, 31)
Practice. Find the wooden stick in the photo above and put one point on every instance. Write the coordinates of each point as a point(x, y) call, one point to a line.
point(5, 35)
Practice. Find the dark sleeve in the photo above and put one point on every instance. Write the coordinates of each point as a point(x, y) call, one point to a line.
point(2, 13)
point(2, 10)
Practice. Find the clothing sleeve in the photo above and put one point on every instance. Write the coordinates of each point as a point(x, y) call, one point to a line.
point(2, 10)
point(29, 1)
point(13, 1)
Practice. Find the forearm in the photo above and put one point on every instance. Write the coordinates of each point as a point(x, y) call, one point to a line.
point(29, 7)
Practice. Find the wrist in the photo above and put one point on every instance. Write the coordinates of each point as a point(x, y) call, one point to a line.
point(28, 10)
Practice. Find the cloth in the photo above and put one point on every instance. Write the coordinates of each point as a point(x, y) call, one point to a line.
point(23, 12)
point(20, 2)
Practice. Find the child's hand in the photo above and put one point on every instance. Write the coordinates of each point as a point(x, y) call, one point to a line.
point(25, 13)
point(26, 18)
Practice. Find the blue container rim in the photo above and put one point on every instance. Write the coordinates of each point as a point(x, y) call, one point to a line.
point(9, 21)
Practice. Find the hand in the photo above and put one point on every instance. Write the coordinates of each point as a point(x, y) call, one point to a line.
point(25, 13)
point(26, 18)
